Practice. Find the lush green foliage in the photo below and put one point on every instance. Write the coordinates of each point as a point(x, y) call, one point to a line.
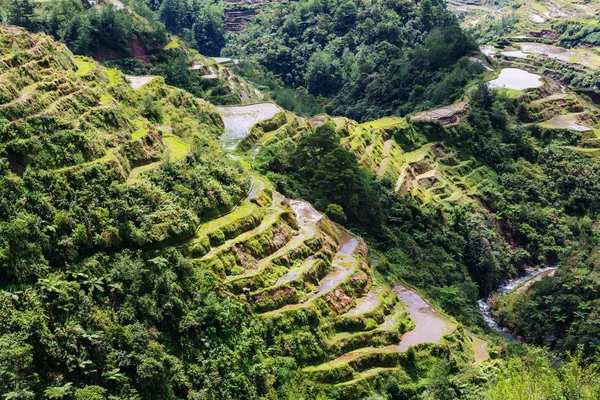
point(577, 33)
point(534, 377)
point(297, 100)
point(369, 59)
point(60, 205)
point(561, 311)
point(105, 31)
point(100, 184)
point(199, 23)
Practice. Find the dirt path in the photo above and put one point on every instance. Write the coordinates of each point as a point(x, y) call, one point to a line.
point(387, 146)
point(138, 170)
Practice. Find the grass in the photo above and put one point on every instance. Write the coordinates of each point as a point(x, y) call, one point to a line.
point(387, 122)
point(539, 7)
point(84, 65)
point(267, 223)
point(290, 247)
point(508, 93)
point(140, 133)
point(362, 376)
point(178, 148)
point(105, 98)
point(112, 76)
point(135, 173)
point(353, 355)
point(418, 154)
point(109, 155)
point(174, 44)
point(214, 225)
point(587, 151)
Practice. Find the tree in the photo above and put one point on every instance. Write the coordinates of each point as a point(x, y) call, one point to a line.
point(20, 13)
point(322, 74)
point(336, 213)
point(208, 30)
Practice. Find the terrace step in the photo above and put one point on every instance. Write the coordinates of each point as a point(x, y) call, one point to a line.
point(245, 251)
point(275, 209)
point(365, 304)
point(300, 245)
point(388, 332)
point(247, 215)
point(343, 265)
point(359, 386)
point(430, 326)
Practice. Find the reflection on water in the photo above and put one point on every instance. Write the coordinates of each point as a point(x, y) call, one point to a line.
point(430, 325)
point(515, 78)
point(239, 119)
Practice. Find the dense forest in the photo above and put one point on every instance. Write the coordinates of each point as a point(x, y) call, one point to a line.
point(366, 59)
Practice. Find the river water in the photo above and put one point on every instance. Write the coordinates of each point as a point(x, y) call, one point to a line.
point(507, 287)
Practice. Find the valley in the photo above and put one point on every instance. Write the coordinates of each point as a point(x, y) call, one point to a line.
point(180, 226)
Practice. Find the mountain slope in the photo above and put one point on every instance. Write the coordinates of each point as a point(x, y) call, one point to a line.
point(139, 260)
point(73, 133)
point(367, 60)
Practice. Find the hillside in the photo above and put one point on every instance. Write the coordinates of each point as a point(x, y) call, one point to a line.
point(169, 232)
point(131, 38)
point(365, 60)
point(133, 259)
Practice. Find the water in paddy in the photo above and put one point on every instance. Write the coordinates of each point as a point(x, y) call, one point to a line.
point(430, 325)
point(515, 78)
point(239, 119)
point(576, 56)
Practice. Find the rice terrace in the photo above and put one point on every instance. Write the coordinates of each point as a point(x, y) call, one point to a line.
point(318, 199)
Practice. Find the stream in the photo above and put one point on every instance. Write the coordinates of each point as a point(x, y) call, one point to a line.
point(507, 287)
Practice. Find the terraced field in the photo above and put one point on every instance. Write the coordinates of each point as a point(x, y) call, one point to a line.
point(94, 123)
point(291, 265)
point(424, 169)
point(310, 265)
point(529, 14)
point(287, 260)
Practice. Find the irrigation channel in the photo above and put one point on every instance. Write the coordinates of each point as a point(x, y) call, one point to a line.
point(507, 287)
